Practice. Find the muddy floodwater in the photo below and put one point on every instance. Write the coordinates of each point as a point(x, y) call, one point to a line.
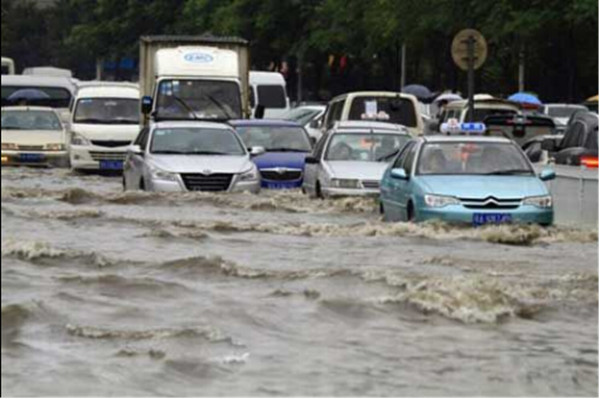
point(106, 293)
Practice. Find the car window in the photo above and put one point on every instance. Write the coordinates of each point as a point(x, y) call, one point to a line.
point(573, 136)
point(107, 111)
point(252, 97)
point(334, 114)
point(271, 96)
point(402, 156)
point(55, 97)
point(481, 113)
point(409, 160)
point(30, 120)
point(392, 109)
point(364, 146)
point(142, 138)
point(196, 141)
point(275, 138)
point(318, 152)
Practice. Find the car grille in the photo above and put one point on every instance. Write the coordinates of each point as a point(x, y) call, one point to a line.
point(107, 156)
point(214, 182)
point(31, 147)
point(281, 174)
point(491, 203)
point(371, 184)
point(111, 143)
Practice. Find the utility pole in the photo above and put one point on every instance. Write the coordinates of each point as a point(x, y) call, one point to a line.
point(403, 67)
point(299, 78)
point(522, 68)
point(471, 75)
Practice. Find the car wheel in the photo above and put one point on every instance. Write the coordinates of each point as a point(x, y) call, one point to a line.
point(381, 210)
point(410, 212)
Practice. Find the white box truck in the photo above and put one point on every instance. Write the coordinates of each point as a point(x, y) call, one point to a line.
point(194, 77)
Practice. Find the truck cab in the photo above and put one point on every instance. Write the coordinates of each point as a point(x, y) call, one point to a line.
point(193, 78)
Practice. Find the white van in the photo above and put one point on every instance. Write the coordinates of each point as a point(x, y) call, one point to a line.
point(268, 89)
point(104, 122)
point(48, 71)
point(8, 66)
point(44, 91)
point(383, 106)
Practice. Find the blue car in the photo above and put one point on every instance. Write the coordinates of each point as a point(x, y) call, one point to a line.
point(465, 179)
point(286, 144)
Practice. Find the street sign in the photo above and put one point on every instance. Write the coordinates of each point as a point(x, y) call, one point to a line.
point(460, 49)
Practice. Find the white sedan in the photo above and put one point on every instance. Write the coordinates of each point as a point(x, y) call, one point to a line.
point(350, 160)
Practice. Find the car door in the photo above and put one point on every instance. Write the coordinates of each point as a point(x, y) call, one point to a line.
point(402, 190)
point(391, 188)
point(311, 169)
point(134, 163)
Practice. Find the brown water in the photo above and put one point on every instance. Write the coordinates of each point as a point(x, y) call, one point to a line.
point(138, 294)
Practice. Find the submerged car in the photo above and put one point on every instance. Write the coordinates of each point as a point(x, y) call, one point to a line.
point(190, 156)
point(351, 158)
point(33, 136)
point(286, 144)
point(474, 180)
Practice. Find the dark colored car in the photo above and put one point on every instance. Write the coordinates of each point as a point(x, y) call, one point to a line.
point(579, 144)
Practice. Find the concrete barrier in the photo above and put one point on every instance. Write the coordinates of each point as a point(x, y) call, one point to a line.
point(575, 195)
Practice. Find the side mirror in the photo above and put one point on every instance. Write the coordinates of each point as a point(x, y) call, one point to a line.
point(146, 105)
point(549, 145)
point(311, 160)
point(399, 173)
point(547, 174)
point(259, 113)
point(256, 151)
point(315, 124)
point(135, 149)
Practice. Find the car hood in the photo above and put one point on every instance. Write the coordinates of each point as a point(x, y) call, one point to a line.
point(292, 160)
point(356, 169)
point(473, 186)
point(107, 132)
point(201, 163)
point(33, 137)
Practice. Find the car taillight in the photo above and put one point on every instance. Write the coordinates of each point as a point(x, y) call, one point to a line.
point(589, 162)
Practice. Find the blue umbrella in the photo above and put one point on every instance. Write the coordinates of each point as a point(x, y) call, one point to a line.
point(419, 91)
point(28, 94)
point(525, 98)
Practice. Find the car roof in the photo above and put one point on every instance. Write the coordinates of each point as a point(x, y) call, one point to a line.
point(463, 138)
point(370, 125)
point(375, 94)
point(28, 108)
point(189, 124)
point(565, 105)
point(263, 122)
point(112, 91)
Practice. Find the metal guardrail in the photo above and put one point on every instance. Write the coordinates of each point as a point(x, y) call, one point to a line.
point(575, 195)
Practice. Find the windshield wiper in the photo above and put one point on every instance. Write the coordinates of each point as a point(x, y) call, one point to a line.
point(169, 152)
point(220, 105)
point(92, 120)
point(509, 172)
point(283, 149)
point(387, 156)
point(186, 105)
point(12, 128)
point(206, 153)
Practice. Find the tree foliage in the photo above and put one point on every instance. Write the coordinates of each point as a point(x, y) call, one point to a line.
point(559, 38)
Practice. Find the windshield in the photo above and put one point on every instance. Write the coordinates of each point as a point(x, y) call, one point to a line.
point(198, 99)
point(564, 112)
point(200, 141)
point(30, 120)
point(391, 109)
point(367, 147)
point(121, 111)
point(472, 158)
point(301, 115)
point(275, 138)
point(55, 97)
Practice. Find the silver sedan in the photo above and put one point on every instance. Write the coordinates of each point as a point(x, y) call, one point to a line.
point(190, 156)
point(350, 160)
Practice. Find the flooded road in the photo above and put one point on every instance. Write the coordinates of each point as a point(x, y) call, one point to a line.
point(106, 293)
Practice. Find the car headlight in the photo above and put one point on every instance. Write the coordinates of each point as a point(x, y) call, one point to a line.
point(78, 139)
point(344, 183)
point(9, 146)
point(438, 201)
point(55, 147)
point(249, 175)
point(159, 174)
point(543, 201)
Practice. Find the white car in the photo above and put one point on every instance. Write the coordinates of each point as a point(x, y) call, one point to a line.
point(269, 90)
point(190, 156)
point(33, 136)
point(350, 159)
point(308, 116)
point(104, 122)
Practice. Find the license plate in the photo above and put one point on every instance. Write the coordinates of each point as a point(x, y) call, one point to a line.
point(277, 186)
point(111, 165)
point(479, 219)
point(31, 157)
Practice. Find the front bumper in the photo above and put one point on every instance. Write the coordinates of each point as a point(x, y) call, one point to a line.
point(36, 158)
point(349, 192)
point(178, 186)
point(281, 185)
point(527, 214)
point(90, 157)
